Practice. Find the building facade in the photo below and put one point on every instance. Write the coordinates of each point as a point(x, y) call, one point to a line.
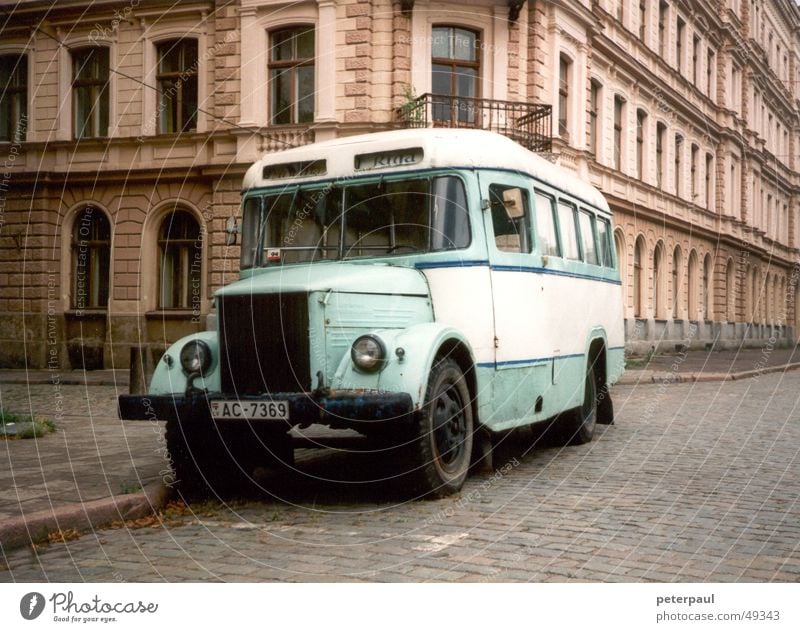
point(126, 127)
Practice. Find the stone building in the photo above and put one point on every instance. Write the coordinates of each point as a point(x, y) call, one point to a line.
point(126, 126)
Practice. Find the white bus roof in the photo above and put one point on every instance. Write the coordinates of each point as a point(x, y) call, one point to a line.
point(440, 148)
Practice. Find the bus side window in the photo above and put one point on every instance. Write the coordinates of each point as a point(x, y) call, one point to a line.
point(450, 216)
point(604, 242)
point(586, 220)
point(546, 226)
point(569, 235)
point(510, 218)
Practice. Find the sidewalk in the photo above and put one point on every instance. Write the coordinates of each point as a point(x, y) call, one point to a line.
point(699, 365)
point(95, 469)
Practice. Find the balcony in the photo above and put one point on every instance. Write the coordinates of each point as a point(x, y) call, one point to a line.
point(529, 124)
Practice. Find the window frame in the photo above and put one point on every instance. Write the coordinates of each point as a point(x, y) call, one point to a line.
point(99, 90)
point(16, 95)
point(180, 78)
point(181, 244)
point(291, 65)
point(567, 203)
point(92, 246)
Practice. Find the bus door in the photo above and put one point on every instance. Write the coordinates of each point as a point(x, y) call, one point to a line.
point(523, 354)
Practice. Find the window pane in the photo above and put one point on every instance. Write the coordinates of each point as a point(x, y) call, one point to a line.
point(545, 226)
point(189, 103)
point(169, 58)
point(510, 218)
point(305, 94)
point(466, 82)
point(282, 45)
point(464, 45)
point(281, 97)
point(305, 44)
point(252, 212)
point(167, 106)
point(440, 47)
point(450, 216)
point(604, 242)
point(569, 237)
point(587, 237)
point(387, 219)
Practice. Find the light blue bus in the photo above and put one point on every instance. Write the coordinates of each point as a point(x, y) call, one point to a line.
point(428, 288)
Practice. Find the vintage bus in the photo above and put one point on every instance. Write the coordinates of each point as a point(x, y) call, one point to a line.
point(427, 288)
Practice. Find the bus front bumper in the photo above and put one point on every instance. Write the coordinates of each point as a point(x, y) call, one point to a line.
point(356, 410)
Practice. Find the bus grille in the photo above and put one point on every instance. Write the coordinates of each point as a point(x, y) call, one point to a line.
point(263, 342)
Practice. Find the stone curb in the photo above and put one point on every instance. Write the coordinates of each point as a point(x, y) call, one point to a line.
point(64, 380)
point(35, 527)
point(653, 377)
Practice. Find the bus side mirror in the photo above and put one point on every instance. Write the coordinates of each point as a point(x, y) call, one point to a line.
point(231, 229)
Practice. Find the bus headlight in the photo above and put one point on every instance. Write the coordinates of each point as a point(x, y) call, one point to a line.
point(195, 357)
point(368, 353)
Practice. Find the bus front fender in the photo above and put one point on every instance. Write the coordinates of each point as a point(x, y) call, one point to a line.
point(410, 354)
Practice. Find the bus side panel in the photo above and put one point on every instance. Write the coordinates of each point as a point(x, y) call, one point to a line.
point(543, 323)
point(462, 299)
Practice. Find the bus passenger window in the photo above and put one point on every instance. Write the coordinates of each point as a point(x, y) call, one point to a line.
point(546, 226)
point(569, 236)
point(587, 237)
point(604, 242)
point(510, 218)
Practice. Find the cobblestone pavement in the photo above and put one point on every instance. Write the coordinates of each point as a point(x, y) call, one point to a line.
point(90, 456)
point(695, 482)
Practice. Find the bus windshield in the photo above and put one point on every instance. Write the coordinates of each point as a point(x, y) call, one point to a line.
point(347, 221)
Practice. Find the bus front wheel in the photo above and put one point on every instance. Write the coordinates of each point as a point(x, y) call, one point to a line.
point(443, 445)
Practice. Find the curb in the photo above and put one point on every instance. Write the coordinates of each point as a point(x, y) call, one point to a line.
point(36, 526)
point(651, 377)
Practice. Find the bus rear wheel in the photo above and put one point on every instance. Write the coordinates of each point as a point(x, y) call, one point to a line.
point(443, 447)
point(582, 422)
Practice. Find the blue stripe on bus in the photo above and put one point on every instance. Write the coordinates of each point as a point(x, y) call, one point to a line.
point(490, 365)
point(509, 268)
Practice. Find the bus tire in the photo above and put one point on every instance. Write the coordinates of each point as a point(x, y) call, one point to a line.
point(584, 419)
point(443, 446)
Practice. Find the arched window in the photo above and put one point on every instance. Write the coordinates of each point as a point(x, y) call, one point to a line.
point(730, 291)
point(91, 254)
point(658, 281)
point(180, 252)
point(694, 313)
point(753, 312)
point(619, 248)
point(677, 281)
point(707, 285)
point(456, 70)
point(639, 255)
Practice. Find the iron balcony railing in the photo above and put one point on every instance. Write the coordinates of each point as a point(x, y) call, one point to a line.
point(529, 124)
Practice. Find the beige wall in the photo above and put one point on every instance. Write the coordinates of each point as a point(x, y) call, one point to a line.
point(370, 56)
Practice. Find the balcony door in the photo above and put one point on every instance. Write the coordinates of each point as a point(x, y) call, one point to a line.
point(455, 66)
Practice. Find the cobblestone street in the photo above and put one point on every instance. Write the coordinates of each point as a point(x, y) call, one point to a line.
point(695, 482)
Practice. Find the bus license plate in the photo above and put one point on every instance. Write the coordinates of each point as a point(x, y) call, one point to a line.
point(249, 409)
